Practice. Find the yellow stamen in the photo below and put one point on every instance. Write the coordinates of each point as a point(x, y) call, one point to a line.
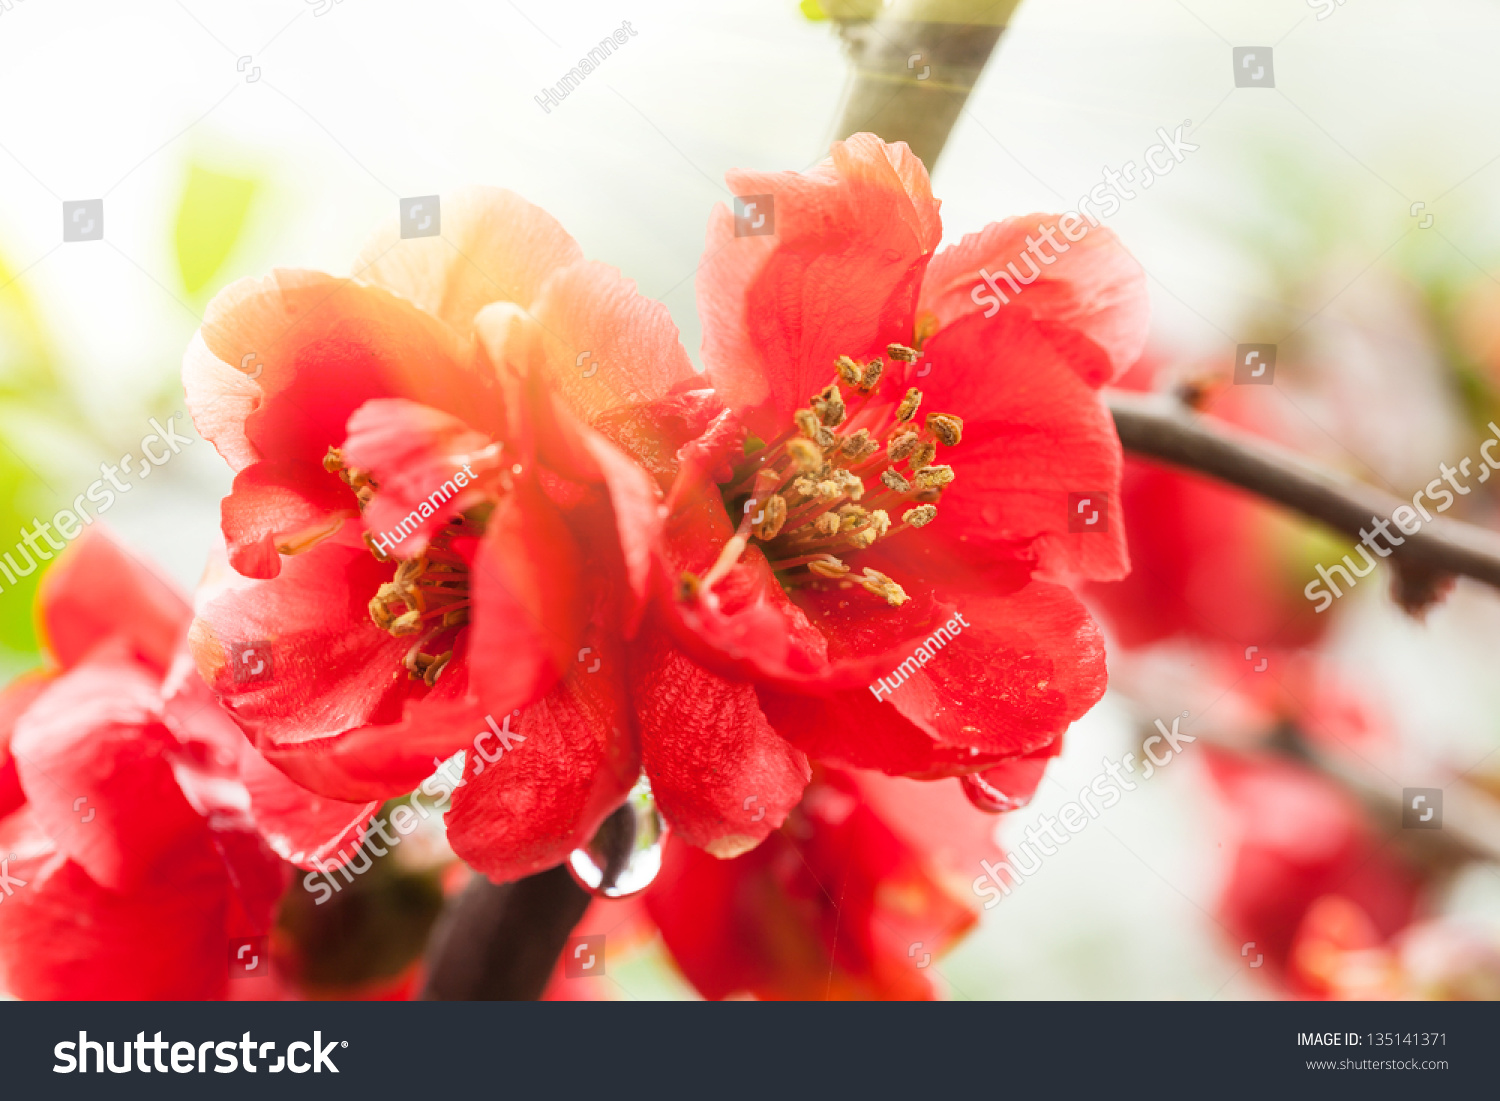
point(908, 407)
point(946, 427)
point(920, 516)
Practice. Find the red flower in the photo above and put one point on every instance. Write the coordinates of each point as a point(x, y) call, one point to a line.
point(1308, 869)
point(856, 896)
point(862, 888)
point(491, 350)
point(1209, 562)
point(884, 561)
point(129, 838)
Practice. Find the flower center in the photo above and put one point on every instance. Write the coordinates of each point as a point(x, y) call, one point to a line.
point(428, 597)
point(828, 487)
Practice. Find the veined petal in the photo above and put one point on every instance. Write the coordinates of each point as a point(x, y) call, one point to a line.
point(839, 276)
point(1087, 299)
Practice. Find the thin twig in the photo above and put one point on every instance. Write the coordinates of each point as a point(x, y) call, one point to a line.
point(1162, 428)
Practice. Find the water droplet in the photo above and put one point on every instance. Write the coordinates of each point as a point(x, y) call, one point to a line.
point(987, 797)
point(625, 854)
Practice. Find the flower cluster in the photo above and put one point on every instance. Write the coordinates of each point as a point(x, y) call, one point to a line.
point(650, 571)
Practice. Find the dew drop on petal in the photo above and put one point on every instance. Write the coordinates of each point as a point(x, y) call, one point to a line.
point(625, 854)
point(987, 797)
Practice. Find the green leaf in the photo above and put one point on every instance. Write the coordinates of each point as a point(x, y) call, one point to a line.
point(209, 222)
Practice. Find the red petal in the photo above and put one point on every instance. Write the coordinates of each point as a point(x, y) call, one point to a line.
point(97, 590)
point(720, 774)
point(571, 761)
point(495, 247)
point(596, 340)
point(15, 698)
point(335, 708)
point(838, 277)
point(528, 613)
point(1021, 669)
point(91, 753)
point(301, 827)
point(281, 505)
point(1034, 435)
point(322, 347)
point(414, 454)
point(64, 937)
point(1090, 302)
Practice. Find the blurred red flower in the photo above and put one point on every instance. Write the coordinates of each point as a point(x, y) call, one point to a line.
point(130, 830)
point(1308, 874)
point(1210, 563)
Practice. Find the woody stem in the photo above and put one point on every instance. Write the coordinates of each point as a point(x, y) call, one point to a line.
point(1160, 427)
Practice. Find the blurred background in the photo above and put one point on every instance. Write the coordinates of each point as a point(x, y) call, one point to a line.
point(1341, 211)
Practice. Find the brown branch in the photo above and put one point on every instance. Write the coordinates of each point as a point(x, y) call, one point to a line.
point(500, 942)
point(1162, 428)
point(914, 67)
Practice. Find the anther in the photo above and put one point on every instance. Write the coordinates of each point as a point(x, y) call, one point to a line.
point(873, 370)
point(333, 462)
point(828, 567)
point(934, 477)
point(807, 422)
point(878, 583)
point(829, 406)
point(920, 516)
point(908, 407)
point(439, 663)
point(901, 352)
point(407, 623)
point(946, 427)
point(894, 480)
point(923, 454)
point(773, 517)
point(854, 445)
point(901, 446)
point(805, 453)
point(849, 370)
